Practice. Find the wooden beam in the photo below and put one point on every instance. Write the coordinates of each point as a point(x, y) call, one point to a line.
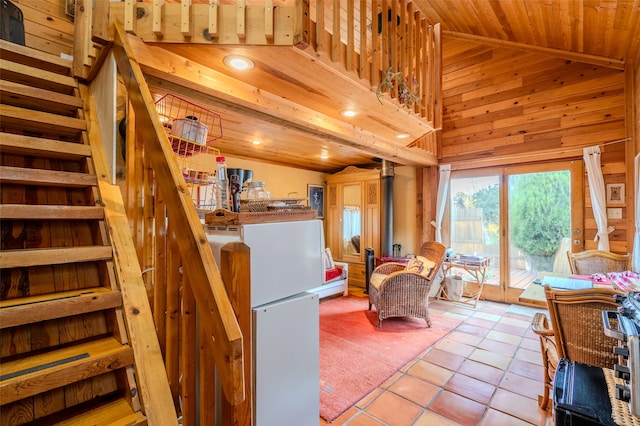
point(564, 54)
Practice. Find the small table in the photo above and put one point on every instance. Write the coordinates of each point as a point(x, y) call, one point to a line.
point(477, 268)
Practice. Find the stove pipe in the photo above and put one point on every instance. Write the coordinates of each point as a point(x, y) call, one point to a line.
point(386, 176)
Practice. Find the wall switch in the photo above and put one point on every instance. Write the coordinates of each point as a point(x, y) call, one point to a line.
point(615, 213)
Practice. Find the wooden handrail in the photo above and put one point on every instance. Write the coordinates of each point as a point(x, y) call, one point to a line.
point(217, 317)
point(152, 383)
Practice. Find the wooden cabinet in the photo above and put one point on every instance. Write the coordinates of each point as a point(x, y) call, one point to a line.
point(353, 218)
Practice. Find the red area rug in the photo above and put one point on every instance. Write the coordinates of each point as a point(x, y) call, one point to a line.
point(356, 356)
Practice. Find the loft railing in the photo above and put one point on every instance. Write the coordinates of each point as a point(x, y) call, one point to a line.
point(386, 44)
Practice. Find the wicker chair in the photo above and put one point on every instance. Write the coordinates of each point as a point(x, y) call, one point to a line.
point(396, 292)
point(590, 262)
point(575, 331)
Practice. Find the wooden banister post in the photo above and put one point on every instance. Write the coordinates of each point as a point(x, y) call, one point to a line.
point(235, 268)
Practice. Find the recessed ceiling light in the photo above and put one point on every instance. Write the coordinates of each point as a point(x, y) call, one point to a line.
point(349, 113)
point(402, 135)
point(324, 154)
point(238, 62)
point(256, 141)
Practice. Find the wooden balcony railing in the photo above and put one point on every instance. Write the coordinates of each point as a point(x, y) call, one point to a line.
point(390, 45)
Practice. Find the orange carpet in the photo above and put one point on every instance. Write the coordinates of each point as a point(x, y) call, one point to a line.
point(356, 356)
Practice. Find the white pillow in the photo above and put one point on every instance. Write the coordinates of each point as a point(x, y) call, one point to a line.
point(328, 259)
point(420, 265)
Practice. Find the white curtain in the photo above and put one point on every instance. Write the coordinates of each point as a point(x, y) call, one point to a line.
point(441, 202)
point(635, 259)
point(591, 157)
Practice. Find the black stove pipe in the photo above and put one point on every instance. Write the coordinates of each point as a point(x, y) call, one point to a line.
point(386, 176)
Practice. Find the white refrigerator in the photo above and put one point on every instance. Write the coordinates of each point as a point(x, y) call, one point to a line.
point(286, 261)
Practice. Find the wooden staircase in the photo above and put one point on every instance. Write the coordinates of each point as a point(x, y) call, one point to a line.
point(65, 355)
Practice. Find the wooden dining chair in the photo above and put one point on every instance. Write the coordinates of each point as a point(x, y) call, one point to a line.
point(574, 330)
point(591, 262)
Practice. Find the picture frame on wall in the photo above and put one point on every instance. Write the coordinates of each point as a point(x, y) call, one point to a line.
point(316, 199)
point(615, 193)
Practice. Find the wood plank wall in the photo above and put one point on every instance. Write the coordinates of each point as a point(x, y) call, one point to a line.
point(504, 106)
point(47, 27)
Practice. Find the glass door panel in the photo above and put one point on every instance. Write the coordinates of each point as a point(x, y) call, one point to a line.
point(475, 221)
point(539, 224)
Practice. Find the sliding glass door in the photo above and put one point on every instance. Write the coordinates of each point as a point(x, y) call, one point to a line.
point(522, 218)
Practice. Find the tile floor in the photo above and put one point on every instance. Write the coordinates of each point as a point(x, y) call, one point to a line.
point(487, 371)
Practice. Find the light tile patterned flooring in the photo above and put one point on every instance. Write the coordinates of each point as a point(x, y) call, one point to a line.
point(487, 371)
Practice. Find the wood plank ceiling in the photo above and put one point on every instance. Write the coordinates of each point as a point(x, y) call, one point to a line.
point(602, 29)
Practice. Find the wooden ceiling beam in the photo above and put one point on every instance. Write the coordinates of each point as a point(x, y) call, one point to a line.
point(565, 54)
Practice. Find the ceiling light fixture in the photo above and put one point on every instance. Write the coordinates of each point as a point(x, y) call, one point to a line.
point(238, 62)
point(256, 141)
point(402, 135)
point(349, 113)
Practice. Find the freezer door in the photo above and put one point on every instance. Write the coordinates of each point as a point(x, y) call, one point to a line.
point(286, 258)
point(286, 362)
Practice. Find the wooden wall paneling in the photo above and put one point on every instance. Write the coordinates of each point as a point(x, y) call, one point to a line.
point(47, 27)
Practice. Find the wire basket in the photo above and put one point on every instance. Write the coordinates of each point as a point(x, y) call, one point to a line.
point(190, 128)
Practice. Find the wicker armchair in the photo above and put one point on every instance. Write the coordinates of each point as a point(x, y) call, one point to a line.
point(575, 331)
point(396, 292)
point(590, 262)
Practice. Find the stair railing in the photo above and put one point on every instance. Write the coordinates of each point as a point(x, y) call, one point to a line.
point(194, 318)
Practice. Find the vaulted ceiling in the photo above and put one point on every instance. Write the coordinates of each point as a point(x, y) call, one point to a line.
point(291, 93)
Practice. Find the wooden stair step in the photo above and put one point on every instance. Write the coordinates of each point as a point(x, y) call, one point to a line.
point(113, 413)
point(30, 376)
point(27, 310)
point(34, 58)
point(34, 98)
point(40, 147)
point(42, 177)
point(35, 77)
point(38, 121)
point(50, 212)
point(53, 256)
